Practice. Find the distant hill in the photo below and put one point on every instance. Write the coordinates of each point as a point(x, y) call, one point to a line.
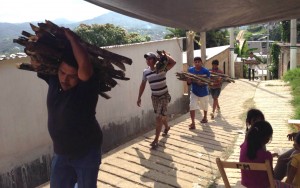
point(10, 31)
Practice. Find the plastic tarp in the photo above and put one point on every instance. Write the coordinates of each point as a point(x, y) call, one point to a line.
point(204, 15)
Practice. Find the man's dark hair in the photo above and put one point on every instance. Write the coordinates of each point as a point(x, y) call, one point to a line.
point(70, 60)
point(215, 62)
point(197, 59)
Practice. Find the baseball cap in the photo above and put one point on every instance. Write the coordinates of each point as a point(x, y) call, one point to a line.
point(151, 55)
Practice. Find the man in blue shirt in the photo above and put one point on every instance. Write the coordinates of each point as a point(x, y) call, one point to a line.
point(199, 92)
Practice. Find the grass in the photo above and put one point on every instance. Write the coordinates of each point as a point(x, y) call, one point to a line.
point(292, 77)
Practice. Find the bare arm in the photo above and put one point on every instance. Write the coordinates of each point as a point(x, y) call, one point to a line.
point(141, 91)
point(171, 62)
point(85, 67)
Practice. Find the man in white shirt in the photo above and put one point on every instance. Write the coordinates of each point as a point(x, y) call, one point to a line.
point(251, 66)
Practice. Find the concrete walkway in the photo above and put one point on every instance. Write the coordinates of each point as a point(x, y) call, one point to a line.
point(186, 158)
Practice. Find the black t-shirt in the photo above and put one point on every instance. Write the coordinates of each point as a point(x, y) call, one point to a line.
point(71, 117)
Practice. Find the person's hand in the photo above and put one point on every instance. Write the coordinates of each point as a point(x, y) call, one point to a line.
point(34, 62)
point(291, 136)
point(189, 81)
point(138, 102)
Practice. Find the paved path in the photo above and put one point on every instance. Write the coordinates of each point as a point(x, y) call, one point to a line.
point(187, 158)
point(273, 99)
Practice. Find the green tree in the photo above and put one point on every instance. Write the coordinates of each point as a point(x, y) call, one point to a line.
point(174, 32)
point(217, 38)
point(275, 33)
point(275, 51)
point(285, 31)
point(108, 34)
point(213, 38)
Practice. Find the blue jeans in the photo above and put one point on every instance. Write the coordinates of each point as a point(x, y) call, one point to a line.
point(66, 172)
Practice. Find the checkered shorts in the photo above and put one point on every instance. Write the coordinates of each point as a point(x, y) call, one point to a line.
point(160, 103)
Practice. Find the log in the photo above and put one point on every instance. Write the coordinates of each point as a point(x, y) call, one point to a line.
point(198, 79)
point(48, 47)
point(224, 77)
point(162, 63)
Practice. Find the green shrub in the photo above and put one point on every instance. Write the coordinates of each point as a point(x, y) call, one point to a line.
point(293, 77)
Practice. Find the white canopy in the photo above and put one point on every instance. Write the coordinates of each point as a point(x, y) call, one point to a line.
point(204, 15)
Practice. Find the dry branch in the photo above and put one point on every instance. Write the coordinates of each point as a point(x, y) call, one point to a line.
point(224, 77)
point(198, 79)
point(48, 46)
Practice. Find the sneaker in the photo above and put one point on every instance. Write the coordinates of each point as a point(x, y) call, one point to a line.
point(212, 115)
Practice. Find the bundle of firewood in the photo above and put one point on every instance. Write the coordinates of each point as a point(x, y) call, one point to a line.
point(201, 79)
point(251, 62)
point(49, 46)
point(198, 79)
point(162, 62)
point(224, 77)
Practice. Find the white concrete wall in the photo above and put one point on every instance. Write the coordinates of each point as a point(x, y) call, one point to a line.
point(122, 106)
point(23, 115)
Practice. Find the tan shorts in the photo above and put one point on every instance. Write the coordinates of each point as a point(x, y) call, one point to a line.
point(160, 104)
point(198, 102)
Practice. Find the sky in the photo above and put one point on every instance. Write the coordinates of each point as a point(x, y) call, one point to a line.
point(18, 11)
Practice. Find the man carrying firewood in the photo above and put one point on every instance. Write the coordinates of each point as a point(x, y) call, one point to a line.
point(160, 95)
point(76, 135)
point(215, 88)
point(199, 92)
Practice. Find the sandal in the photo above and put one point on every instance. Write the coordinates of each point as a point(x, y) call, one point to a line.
point(203, 121)
point(192, 126)
point(166, 130)
point(154, 145)
point(212, 115)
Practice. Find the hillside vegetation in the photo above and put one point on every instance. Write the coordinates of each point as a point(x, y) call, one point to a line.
point(10, 31)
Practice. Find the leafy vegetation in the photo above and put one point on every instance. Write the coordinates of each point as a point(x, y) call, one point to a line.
point(108, 34)
point(175, 32)
point(275, 51)
point(285, 31)
point(293, 77)
point(255, 32)
point(134, 27)
point(214, 38)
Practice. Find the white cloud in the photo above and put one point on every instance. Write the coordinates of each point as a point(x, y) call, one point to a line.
point(16, 11)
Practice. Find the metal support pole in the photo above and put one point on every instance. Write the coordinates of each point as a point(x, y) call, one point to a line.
point(232, 73)
point(268, 58)
point(293, 47)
